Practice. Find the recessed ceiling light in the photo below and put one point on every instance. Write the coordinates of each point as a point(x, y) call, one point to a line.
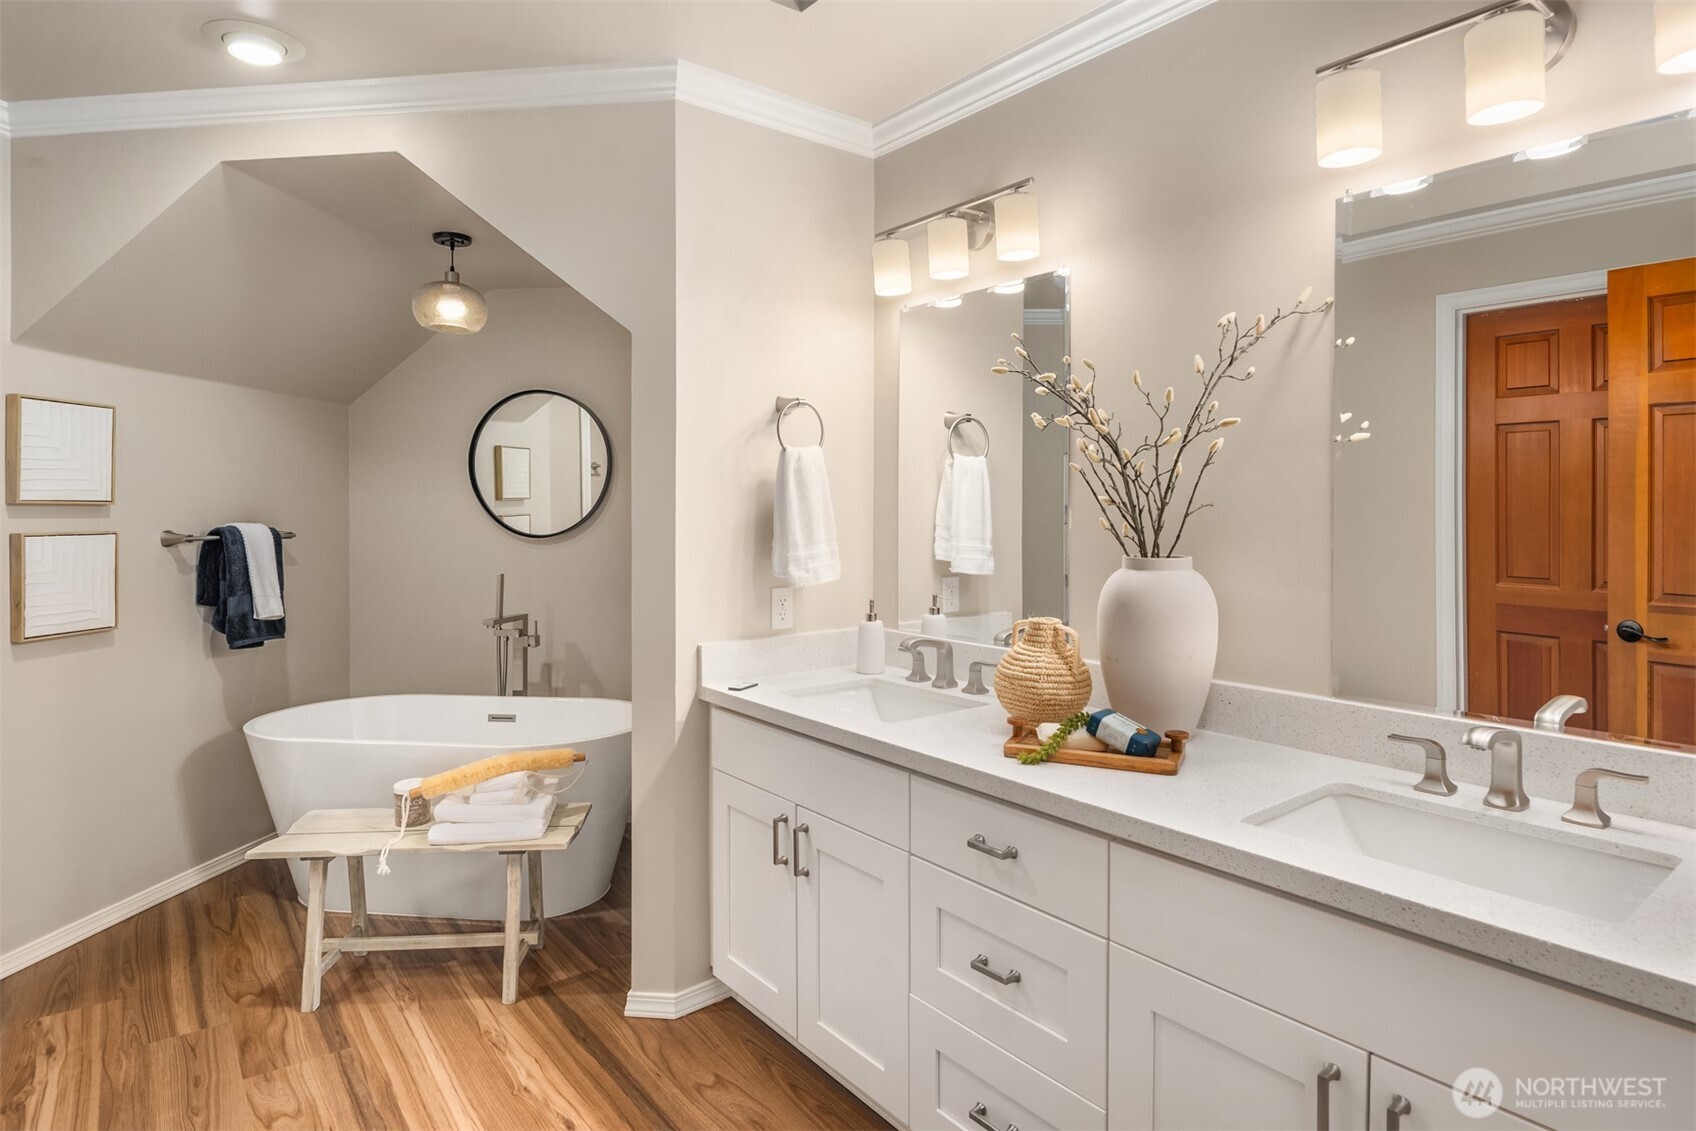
point(1553, 149)
point(1402, 188)
point(259, 45)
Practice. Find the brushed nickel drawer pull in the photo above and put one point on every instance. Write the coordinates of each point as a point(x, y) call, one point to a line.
point(795, 845)
point(1399, 1106)
point(977, 843)
point(777, 856)
point(981, 965)
point(1328, 1073)
point(980, 1116)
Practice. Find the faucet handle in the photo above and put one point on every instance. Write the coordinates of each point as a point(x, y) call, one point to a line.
point(919, 674)
point(1586, 806)
point(974, 680)
point(1436, 779)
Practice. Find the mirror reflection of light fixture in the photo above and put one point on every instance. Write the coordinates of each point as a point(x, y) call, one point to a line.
point(1504, 68)
point(892, 267)
point(947, 242)
point(1349, 114)
point(1402, 188)
point(448, 306)
point(1675, 37)
point(949, 303)
point(1552, 149)
point(1016, 235)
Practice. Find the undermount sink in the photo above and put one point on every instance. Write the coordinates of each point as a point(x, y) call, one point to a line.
point(868, 699)
point(1555, 871)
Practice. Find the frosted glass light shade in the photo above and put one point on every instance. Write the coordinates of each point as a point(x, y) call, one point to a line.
point(1348, 111)
point(1016, 236)
point(1504, 68)
point(1675, 37)
point(448, 306)
point(892, 268)
point(950, 258)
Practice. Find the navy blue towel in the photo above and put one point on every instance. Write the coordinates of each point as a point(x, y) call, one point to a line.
point(221, 582)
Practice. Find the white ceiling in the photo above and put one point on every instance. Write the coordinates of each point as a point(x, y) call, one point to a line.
point(864, 58)
point(294, 274)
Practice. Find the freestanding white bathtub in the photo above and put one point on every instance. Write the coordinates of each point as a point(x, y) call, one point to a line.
point(348, 753)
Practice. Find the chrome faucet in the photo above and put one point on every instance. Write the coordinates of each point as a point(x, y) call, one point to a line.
point(1554, 714)
point(944, 661)
point(511, 632)
point(1507, 780)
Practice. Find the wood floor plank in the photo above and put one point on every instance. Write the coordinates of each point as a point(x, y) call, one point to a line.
point(193, 1082)
point(326, 1092)
point(259, 972)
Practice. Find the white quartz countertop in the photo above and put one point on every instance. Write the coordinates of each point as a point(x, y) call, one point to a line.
point(1647, 960)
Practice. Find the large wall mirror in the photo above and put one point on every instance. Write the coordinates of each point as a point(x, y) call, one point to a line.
point(540, 463)
point(1521, 524)
point(983, 494)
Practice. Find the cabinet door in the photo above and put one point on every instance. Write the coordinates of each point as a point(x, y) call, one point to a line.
point(754, 897)
point(852, 941)
point(1407, 1101)
point(1184, 1054)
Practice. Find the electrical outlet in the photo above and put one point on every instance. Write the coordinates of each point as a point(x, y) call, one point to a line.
point(951, 594)
point(782, 606)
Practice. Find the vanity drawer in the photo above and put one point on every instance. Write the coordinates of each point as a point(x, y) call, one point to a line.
point(1059, 867)
point(862, 793)
point(954, 1071)
point(965, 938)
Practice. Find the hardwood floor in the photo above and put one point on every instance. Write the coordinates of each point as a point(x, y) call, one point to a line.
point(186, 1017)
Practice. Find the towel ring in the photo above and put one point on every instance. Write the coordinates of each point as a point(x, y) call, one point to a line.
point(967, 418)
point(786, 405)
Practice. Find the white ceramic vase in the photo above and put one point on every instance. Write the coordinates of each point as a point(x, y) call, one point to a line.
point(1158, 625)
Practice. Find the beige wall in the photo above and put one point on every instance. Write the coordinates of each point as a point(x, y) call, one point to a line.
point(424, 555)
point(1385, 574)
point(1176, 177)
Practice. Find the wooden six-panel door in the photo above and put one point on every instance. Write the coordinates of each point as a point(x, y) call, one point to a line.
point(1537, 437)
point(1652, 499)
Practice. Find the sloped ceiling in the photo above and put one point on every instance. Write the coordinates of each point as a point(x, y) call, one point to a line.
point(293, 275)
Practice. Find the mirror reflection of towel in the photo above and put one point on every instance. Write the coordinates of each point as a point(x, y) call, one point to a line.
point(803, 533)
point(965, 527)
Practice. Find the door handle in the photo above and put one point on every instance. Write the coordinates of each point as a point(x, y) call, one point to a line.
point(777, 856)
point(980, 1116)
point(1631, 632)
point(981, 965)
point(795, 846)
point(1328, 1073)
point(977, 843)
point(1399, 1106)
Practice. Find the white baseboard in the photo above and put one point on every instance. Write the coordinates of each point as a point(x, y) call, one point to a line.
point(70, 934)
point(670, 1007)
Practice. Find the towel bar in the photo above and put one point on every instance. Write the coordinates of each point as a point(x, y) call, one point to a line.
point(172, 538)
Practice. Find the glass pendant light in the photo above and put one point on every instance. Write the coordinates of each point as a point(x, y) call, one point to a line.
point(1349, 116)
point(448, 306)
point(1016, 236)
point(950, 257)
point(1675, 37)
point(892, 268)
point(1505, 68)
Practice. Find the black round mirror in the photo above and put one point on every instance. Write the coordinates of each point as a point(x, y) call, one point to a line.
point(540, 463)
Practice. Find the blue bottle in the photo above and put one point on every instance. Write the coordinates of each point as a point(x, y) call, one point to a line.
point(1124, 734)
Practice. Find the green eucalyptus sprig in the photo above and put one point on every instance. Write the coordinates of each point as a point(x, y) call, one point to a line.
point(1056, 740)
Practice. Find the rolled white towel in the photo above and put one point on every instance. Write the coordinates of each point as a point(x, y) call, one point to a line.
point(453, 811)
point(492, 832)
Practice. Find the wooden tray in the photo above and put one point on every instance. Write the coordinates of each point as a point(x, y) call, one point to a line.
point(1082, 749)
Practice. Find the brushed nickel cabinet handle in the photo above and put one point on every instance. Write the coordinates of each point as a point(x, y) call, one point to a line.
point(1328, 1073)
point(1399, 1106)
point(980, 1116)
point(977, 843)
point(981, 965)
point(795, 846)
point(777, 856)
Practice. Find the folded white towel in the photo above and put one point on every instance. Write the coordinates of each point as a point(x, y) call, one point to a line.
point(452, 810)
point(515, 779)
point(516, 796)
point(498, 832)
point(262, 572)
point(803, 536)
point(965, 525)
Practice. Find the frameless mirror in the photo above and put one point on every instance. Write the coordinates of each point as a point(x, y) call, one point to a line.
point(1514, 496)
point(540, 463)
point(983, 495)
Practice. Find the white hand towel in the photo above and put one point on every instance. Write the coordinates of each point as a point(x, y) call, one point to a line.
point(803, 537)
point(451, 810)
point(497, 832)
point(518, 778)
point(518, 795)
point(262, 572)
point(943, 543)
point(971, 525)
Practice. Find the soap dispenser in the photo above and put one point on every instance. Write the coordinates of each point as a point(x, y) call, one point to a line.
point(870, 658)
point(934, 623)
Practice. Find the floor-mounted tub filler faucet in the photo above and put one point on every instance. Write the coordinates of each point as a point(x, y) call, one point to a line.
point(1507, 781)
point(511, 632)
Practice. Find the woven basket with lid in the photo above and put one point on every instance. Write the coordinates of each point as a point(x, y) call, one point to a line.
point(1042, 679)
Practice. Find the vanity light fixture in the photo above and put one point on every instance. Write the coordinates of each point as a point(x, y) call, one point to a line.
point(447, 305)
point(949, 303)
point(1016, 287)
point(950, 252)
point(1016, 235)
point(1402, 188)
point(1675, 37)
point(256, 44)
point(1509, 46)
point(1552, 149)
point(892, 267)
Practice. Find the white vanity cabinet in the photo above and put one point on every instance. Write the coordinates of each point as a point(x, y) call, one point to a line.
point(1403, 1100)
point(753, 897)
